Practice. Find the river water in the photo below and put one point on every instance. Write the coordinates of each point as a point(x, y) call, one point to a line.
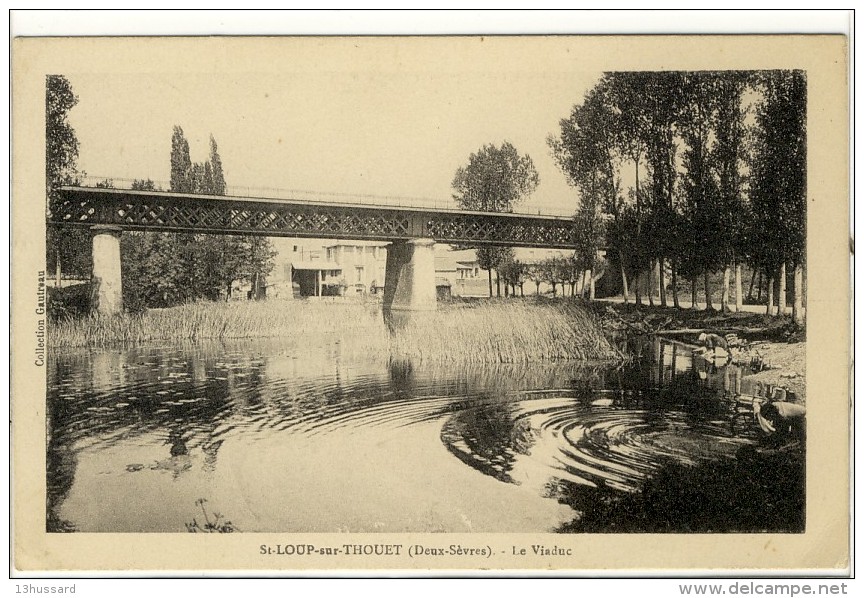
point(277, 438)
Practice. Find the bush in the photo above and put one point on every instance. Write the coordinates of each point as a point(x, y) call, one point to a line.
point(69, 302)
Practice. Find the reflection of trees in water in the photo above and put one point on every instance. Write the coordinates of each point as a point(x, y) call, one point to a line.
point(753, 492)
point(88, 400)
point(486, 433)
point(186, 395)
point(664, 375)
point(401, 374)
point(61, 462)
point(487, 437)
point(485, 430)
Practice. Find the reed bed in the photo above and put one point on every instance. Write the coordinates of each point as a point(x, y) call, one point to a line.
point(503, 331)
point(211, 320)
point(507, 331)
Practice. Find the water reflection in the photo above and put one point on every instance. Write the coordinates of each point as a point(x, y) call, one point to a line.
point(273, 435)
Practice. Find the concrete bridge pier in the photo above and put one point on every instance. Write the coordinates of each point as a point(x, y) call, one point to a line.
point(409, 284)
point(107, 286)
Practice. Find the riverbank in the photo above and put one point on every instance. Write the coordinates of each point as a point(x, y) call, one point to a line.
point(776, 343)
point(756, 491)
point(496, 331)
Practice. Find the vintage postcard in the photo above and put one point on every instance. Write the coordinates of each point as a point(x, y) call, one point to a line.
point(480, 303)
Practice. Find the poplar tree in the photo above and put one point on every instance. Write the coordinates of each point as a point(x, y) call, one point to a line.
point(779, 181)
point(585, 153)
point(181, 163)
point(728, 158)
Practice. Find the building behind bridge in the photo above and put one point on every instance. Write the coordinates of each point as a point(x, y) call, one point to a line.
point(316, 268)
point(313, 267)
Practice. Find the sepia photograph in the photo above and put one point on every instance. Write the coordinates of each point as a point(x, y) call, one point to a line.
point(335, 295)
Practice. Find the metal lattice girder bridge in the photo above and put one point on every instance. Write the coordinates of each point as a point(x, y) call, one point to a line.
point(164, 211)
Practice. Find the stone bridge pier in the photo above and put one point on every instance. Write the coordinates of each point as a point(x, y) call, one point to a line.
point(409, 283)
point(106, 280)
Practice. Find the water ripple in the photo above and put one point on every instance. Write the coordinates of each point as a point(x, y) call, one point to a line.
point(528, 425)
point(595, 445)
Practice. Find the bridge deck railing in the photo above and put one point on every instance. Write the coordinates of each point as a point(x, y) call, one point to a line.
point(375, 200)
point(175, 212)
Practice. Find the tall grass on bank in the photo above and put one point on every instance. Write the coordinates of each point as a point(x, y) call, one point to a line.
point(505, 331)
point(214, 320)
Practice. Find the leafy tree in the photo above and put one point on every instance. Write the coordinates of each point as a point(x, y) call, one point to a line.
point(61, 142)
point(586, 155)
point(571, 272)
point(66, 247)
point(627, 234)
point(700, 175)
point(222, 255)
point(589, 237)
point(663, 94)
point(163, 269)
point(534, 273)
point(779, 180)
point(641, 131)
point(144, 185)
point(198, 185)
point(256, 262)
point(708, 240)
point(622, 234)
point(513, 272)
point(222, 259)
point(494, 180)
point(728, 158)
point(211, 263)
point(489, 258)
point(554, 272)
point(207, 179)
point(627, 118)
point(152, 274)
point(185, 245)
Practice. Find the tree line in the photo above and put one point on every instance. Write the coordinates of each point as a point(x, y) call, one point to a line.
point(158, 269)
point(679, 175)
point(715, 166)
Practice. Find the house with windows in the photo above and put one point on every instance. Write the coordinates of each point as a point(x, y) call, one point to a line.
point(459, 269)
point(321, 268)
point(362, 265)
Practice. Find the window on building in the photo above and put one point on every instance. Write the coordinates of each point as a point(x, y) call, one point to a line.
point(359, 272)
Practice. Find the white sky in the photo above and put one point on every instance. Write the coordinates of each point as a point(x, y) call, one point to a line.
point(400, 133)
